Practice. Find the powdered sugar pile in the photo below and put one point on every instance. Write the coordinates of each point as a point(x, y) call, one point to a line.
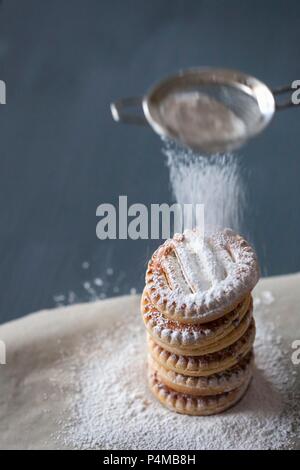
point(111, 407)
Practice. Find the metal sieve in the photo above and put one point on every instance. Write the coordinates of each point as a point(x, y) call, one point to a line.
point(208, 110)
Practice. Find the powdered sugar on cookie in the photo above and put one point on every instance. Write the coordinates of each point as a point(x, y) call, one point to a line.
point(196, 278)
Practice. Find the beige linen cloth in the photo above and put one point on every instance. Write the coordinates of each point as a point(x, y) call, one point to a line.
point(31, 414)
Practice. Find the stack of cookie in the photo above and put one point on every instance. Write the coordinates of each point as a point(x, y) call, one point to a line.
point(197, 309)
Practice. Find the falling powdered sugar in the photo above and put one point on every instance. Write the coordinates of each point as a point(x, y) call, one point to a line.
point(112, 408)
point(96, 288)
point(214, 181)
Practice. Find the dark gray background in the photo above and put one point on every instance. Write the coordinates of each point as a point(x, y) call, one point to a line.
point(62, 155)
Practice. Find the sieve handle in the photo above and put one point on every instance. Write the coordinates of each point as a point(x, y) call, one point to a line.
point(291, 88)
point(119, 110)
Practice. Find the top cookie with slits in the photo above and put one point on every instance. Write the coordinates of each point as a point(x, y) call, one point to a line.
point(191, 278)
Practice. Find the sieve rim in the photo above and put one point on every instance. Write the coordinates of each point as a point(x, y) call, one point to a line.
point(248, 84)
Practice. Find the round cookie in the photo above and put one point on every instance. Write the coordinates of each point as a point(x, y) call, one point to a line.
point(197, 366)
point(214, 384)
point(196, 406)
point(196, 278)
point(217, 345)
point(173, 334)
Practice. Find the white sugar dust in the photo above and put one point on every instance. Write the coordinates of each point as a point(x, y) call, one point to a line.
point(109, 405)
point(215, 181)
